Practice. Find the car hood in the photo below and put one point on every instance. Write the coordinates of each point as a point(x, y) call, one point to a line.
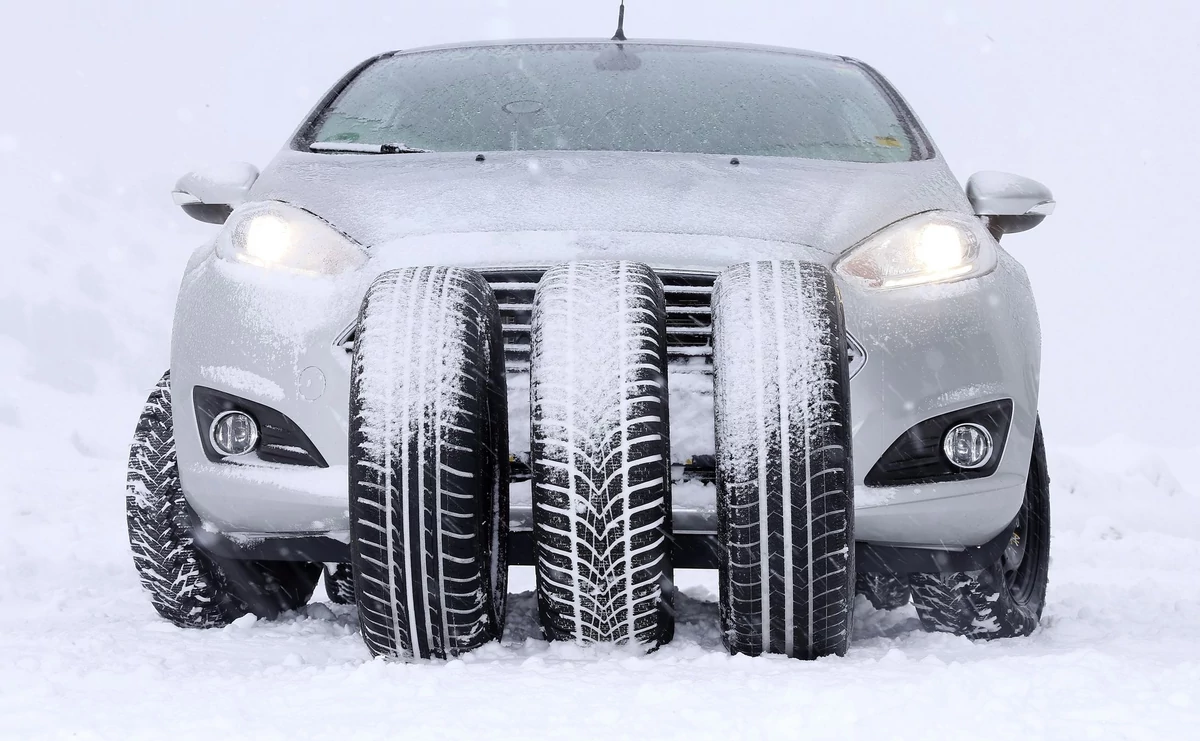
point(828, 206)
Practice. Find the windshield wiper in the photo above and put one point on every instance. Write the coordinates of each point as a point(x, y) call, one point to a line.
point(357, 148)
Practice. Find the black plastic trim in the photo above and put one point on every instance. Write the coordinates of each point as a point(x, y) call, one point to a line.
point(209, 213)
point(314, 548)
point(280, 439)
point(889, 559)
point(689, 551)
point(916, 456)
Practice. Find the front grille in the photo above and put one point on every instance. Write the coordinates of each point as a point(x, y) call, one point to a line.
point(689, 327)
point(689, 319)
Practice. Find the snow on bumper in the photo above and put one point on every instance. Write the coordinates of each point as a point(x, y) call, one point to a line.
point(273, 339)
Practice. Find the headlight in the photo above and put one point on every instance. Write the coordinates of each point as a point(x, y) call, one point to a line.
point(275, 235)
point(933, 247)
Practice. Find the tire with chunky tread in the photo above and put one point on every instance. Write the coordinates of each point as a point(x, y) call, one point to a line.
point(1006, 599)
point(884, 591)
point(429, 464)
point(785, 511)
point(187, 586)
point(339, 583)
point(601, 455)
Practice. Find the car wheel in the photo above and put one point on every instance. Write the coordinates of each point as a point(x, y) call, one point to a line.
point(187, 586)
point(429, 464)
point(601, 455)
point(785, 513)
point(184, 585)
point(1006, 599)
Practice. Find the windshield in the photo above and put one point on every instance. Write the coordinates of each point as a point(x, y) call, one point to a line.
point(626, 98)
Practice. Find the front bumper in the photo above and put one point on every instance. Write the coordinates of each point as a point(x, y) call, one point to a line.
point(277, 340)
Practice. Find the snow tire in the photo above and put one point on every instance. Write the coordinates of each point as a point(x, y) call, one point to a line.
point(601, 455)
point(429, 464)
point(1006, 599)
point(187, 586)
point(884, 591)
point(785, 512)
point(339, 583)
point(184, 586)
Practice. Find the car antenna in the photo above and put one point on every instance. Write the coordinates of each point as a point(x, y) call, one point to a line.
point(620, 34)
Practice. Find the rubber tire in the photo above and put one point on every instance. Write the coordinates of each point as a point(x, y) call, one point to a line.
point(983, 604)
point(884, 591)
point(339, 583)
point(601, 459)
point(429, 464)
point(785, 510)
point(187, 586)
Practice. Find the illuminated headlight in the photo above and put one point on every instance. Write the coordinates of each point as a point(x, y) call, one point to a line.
point(933, 247)
point(275, 235)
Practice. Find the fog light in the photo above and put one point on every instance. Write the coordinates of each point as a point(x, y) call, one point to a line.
point(233, 433)
point(968, 446)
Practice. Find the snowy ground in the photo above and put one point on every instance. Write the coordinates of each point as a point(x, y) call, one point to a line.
point(82, 654)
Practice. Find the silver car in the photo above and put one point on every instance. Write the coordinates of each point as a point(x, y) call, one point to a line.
point(606, 308)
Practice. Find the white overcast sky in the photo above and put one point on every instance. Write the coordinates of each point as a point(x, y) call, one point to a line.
point(1096, 99)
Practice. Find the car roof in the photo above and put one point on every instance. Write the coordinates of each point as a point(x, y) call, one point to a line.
point(634, 42)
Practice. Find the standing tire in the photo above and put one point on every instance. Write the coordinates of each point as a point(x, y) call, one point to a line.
point(785, 508)
point(187, 586)
point(429, 464)
point(601, 455)
point(1006, 599)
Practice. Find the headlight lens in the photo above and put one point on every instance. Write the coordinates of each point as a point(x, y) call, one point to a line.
point(276, 235)
point(933, 247)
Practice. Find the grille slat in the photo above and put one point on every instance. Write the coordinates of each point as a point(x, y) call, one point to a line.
point(689, 327)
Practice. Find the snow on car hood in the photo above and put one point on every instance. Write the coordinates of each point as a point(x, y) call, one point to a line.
point(829, 206)
point(543, 249)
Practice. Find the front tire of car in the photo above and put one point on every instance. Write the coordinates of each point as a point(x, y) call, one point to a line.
point(1006, 599)
point(187, 586)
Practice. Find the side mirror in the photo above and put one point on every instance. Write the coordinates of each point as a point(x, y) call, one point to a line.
point(210, 195)
point(1009, 203)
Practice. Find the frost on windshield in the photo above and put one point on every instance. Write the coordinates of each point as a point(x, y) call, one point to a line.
point(657, 99)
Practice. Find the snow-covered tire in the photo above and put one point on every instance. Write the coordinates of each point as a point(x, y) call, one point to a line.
point(184, 586)
point(339, 583)
point(1006, 599)
point(429, 464)
point(601, 455)
point(187, 586)
point(785, 513)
